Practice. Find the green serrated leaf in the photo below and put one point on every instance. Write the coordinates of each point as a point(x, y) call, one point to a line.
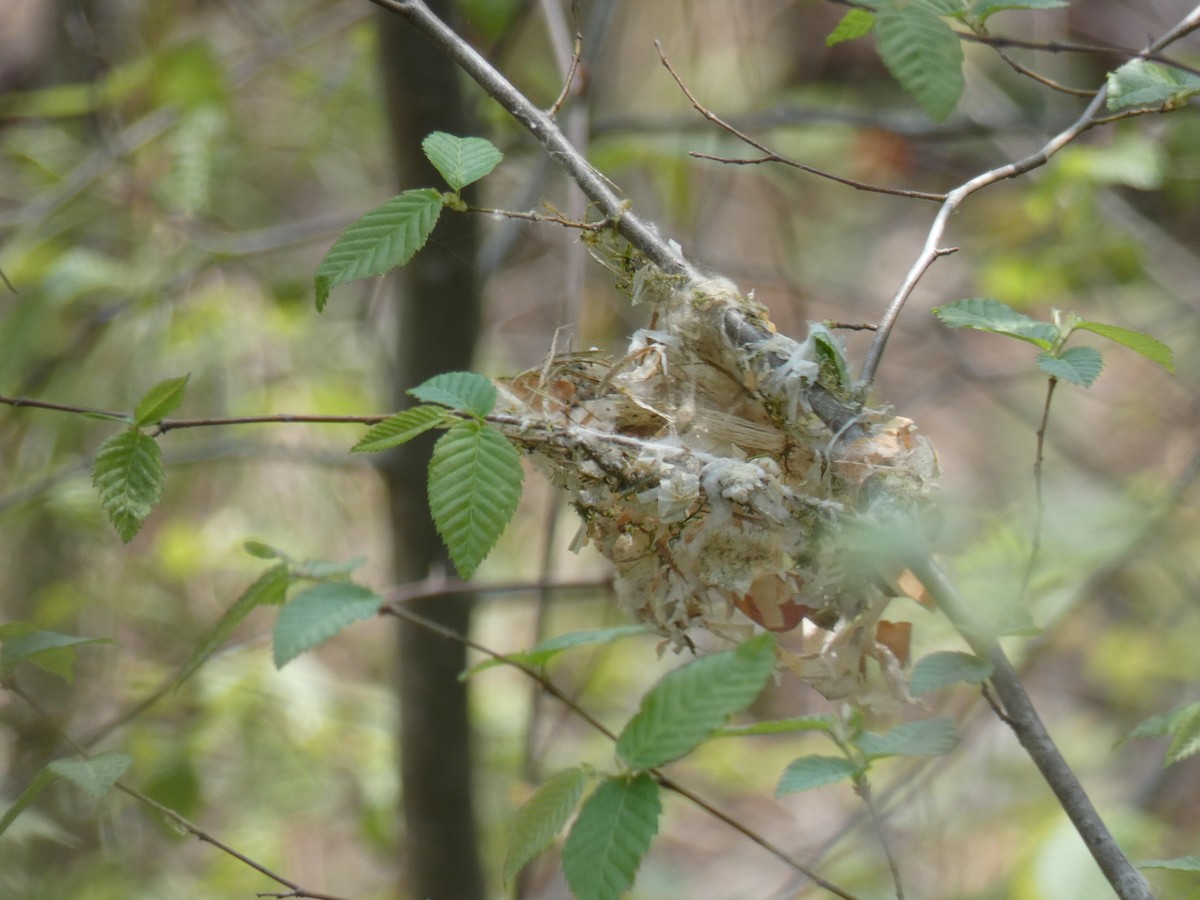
point(1178, 864)
point(939, 670)
point(96, 775)
point(855, 24)
point(318, 613)
point(982, 9)
point(40, 782)
point(1162, 724)
point(541, 817)
point(399, 429)
point(160, 401)
point(461, 161)
point(48, 650)
point(923, 54)
point(688, 704)
point(810, 772)
point(611, 836)
point(1151, 348)
point(1078, 365)
point(475, 480)
point(546, 650)
point(821, 722)
point(380, 241)
point(466, 391)
point(270, 589)
point(1141, 84)
point(927, 737)
point(128, 473)
point(986, 314)
point(1181, 725)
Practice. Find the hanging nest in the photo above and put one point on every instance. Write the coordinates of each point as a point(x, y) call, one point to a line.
point(723, 468)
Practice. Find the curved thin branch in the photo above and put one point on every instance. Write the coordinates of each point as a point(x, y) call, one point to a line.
point(398, 609)
point(771, 155)
point(294, 889)
point(661, 252)
point(931, 250)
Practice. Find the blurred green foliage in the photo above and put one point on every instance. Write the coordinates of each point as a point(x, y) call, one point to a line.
point(165, 199)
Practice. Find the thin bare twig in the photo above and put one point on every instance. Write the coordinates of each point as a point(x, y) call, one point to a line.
point(576, 53)
point(1149, 54)
point(174, 424)
point(658, 250)
point(1042, 79)
point(541, 217)
point(1086, 121)
point(294, 889)
point(862, 787)
point(1039, 512)
point(771, 155)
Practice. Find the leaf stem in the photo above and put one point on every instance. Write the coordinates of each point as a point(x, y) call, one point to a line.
point(862, 787)
point(1039, 512)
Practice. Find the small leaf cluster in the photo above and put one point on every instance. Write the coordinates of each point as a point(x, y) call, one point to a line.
point(1078, 365)
point(475, 474)
point(859, 748)
point(389, 236)
point(324, 603)
point(1182, 726)
point(51, 651)
point(617, 821)
point(95, 775)
point(615, 824)
point(924, 53)
point(128, 469)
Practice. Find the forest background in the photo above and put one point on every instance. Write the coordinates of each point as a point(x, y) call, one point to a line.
point(172, 176)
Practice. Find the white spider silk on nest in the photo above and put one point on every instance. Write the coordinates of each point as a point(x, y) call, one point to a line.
point(716, 464)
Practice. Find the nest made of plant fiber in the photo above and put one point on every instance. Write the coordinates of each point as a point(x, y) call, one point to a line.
point(723, 469)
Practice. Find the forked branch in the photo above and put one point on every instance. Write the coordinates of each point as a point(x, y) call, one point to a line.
point(663, 253)
point(932, 249)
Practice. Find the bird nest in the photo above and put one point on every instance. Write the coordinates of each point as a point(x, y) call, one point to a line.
point(722, 468)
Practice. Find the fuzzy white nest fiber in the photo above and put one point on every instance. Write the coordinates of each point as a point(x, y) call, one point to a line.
point(717, 464)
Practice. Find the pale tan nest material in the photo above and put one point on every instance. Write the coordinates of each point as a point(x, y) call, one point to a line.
point(715, 465)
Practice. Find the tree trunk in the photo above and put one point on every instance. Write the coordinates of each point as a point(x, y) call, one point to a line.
point(438, 313)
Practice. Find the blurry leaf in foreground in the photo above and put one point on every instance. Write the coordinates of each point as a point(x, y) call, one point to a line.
point(939, 670)
point(810, 772)
point(96, 775)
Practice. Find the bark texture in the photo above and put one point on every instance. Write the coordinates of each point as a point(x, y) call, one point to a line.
point(437, 324)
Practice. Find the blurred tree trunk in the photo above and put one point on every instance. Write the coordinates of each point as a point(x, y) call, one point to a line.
point(438, 313)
